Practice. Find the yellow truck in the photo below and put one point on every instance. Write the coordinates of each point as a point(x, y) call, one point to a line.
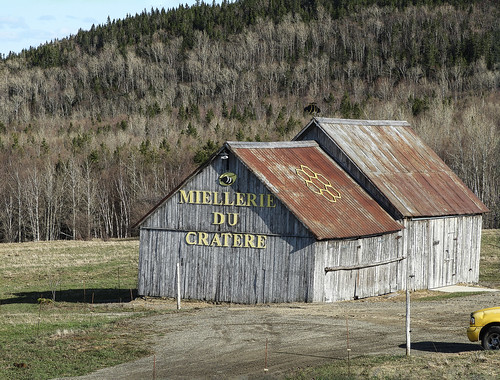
point(485, 326)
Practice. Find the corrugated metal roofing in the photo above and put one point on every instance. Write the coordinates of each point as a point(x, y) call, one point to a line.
point(315, 189)
point(410, 174)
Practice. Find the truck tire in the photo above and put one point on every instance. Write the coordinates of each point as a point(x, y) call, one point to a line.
point(491, 340)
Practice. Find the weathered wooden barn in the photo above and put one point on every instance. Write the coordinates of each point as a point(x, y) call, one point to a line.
point(349, 209)
point(270, 222)
point(441, 216)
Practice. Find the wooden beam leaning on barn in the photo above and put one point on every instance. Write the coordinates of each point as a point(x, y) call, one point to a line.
point(362, 266)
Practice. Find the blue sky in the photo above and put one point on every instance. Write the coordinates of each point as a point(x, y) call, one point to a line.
point(25, 23)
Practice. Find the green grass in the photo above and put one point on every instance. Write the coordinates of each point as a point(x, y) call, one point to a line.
point(67, 347)
point(89, 325)
point(489, 269)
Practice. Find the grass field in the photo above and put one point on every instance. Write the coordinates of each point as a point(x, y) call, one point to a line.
point(89, 325)
point(86, 327)
point(470, 365)
point(490, 259)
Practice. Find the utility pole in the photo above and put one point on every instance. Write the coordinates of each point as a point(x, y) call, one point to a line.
point(408, 331)
point(178, 286)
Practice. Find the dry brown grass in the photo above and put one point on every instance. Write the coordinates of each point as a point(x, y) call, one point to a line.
point(62, 254)
point(467, 365)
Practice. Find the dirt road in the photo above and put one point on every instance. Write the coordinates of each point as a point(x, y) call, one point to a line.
point(229, 341)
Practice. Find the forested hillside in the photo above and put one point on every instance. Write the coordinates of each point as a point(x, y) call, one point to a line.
point(96, 128)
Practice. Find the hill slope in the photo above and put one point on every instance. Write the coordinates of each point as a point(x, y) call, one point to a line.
point(96, 127)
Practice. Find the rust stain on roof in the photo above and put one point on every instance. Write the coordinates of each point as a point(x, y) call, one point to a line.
point(315, 189)
point(410, 174)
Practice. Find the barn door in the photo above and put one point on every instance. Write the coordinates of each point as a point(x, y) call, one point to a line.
point(450, 258)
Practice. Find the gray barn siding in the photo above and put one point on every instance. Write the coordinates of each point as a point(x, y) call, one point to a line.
point(443, 251)
point(191, 217)
point(346, 284)
point(282, 272)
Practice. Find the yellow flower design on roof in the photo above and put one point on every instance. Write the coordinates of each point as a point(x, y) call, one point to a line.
point(318, 184)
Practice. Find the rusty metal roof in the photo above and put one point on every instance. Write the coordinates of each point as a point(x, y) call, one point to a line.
point(410, 174)
point(315, 189)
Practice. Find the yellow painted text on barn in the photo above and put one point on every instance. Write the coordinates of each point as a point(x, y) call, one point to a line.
point(226, 239)
point(207, 197)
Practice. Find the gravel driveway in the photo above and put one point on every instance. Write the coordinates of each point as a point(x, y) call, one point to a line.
point(229, 341)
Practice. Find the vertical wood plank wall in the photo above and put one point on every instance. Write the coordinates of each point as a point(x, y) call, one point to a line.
point(368, 281)
point(443, 251)
point(281, 272)
point(440, 251)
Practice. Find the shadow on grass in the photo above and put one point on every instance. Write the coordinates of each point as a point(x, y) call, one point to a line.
point(443, 347)
point(75, 295)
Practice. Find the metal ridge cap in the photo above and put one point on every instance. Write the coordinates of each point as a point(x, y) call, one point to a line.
point(275, 145)
point(327, 120)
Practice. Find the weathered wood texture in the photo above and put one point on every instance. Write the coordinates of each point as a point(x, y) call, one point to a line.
point(285, 271)
point(291, 268)
point(443, 251)
point(256, 220)
point(366, 281)
point(281, 272)
point(435, 252)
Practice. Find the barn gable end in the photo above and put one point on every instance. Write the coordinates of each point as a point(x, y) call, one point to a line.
point(442, 217)
point(247, 228)
point(222, 239)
